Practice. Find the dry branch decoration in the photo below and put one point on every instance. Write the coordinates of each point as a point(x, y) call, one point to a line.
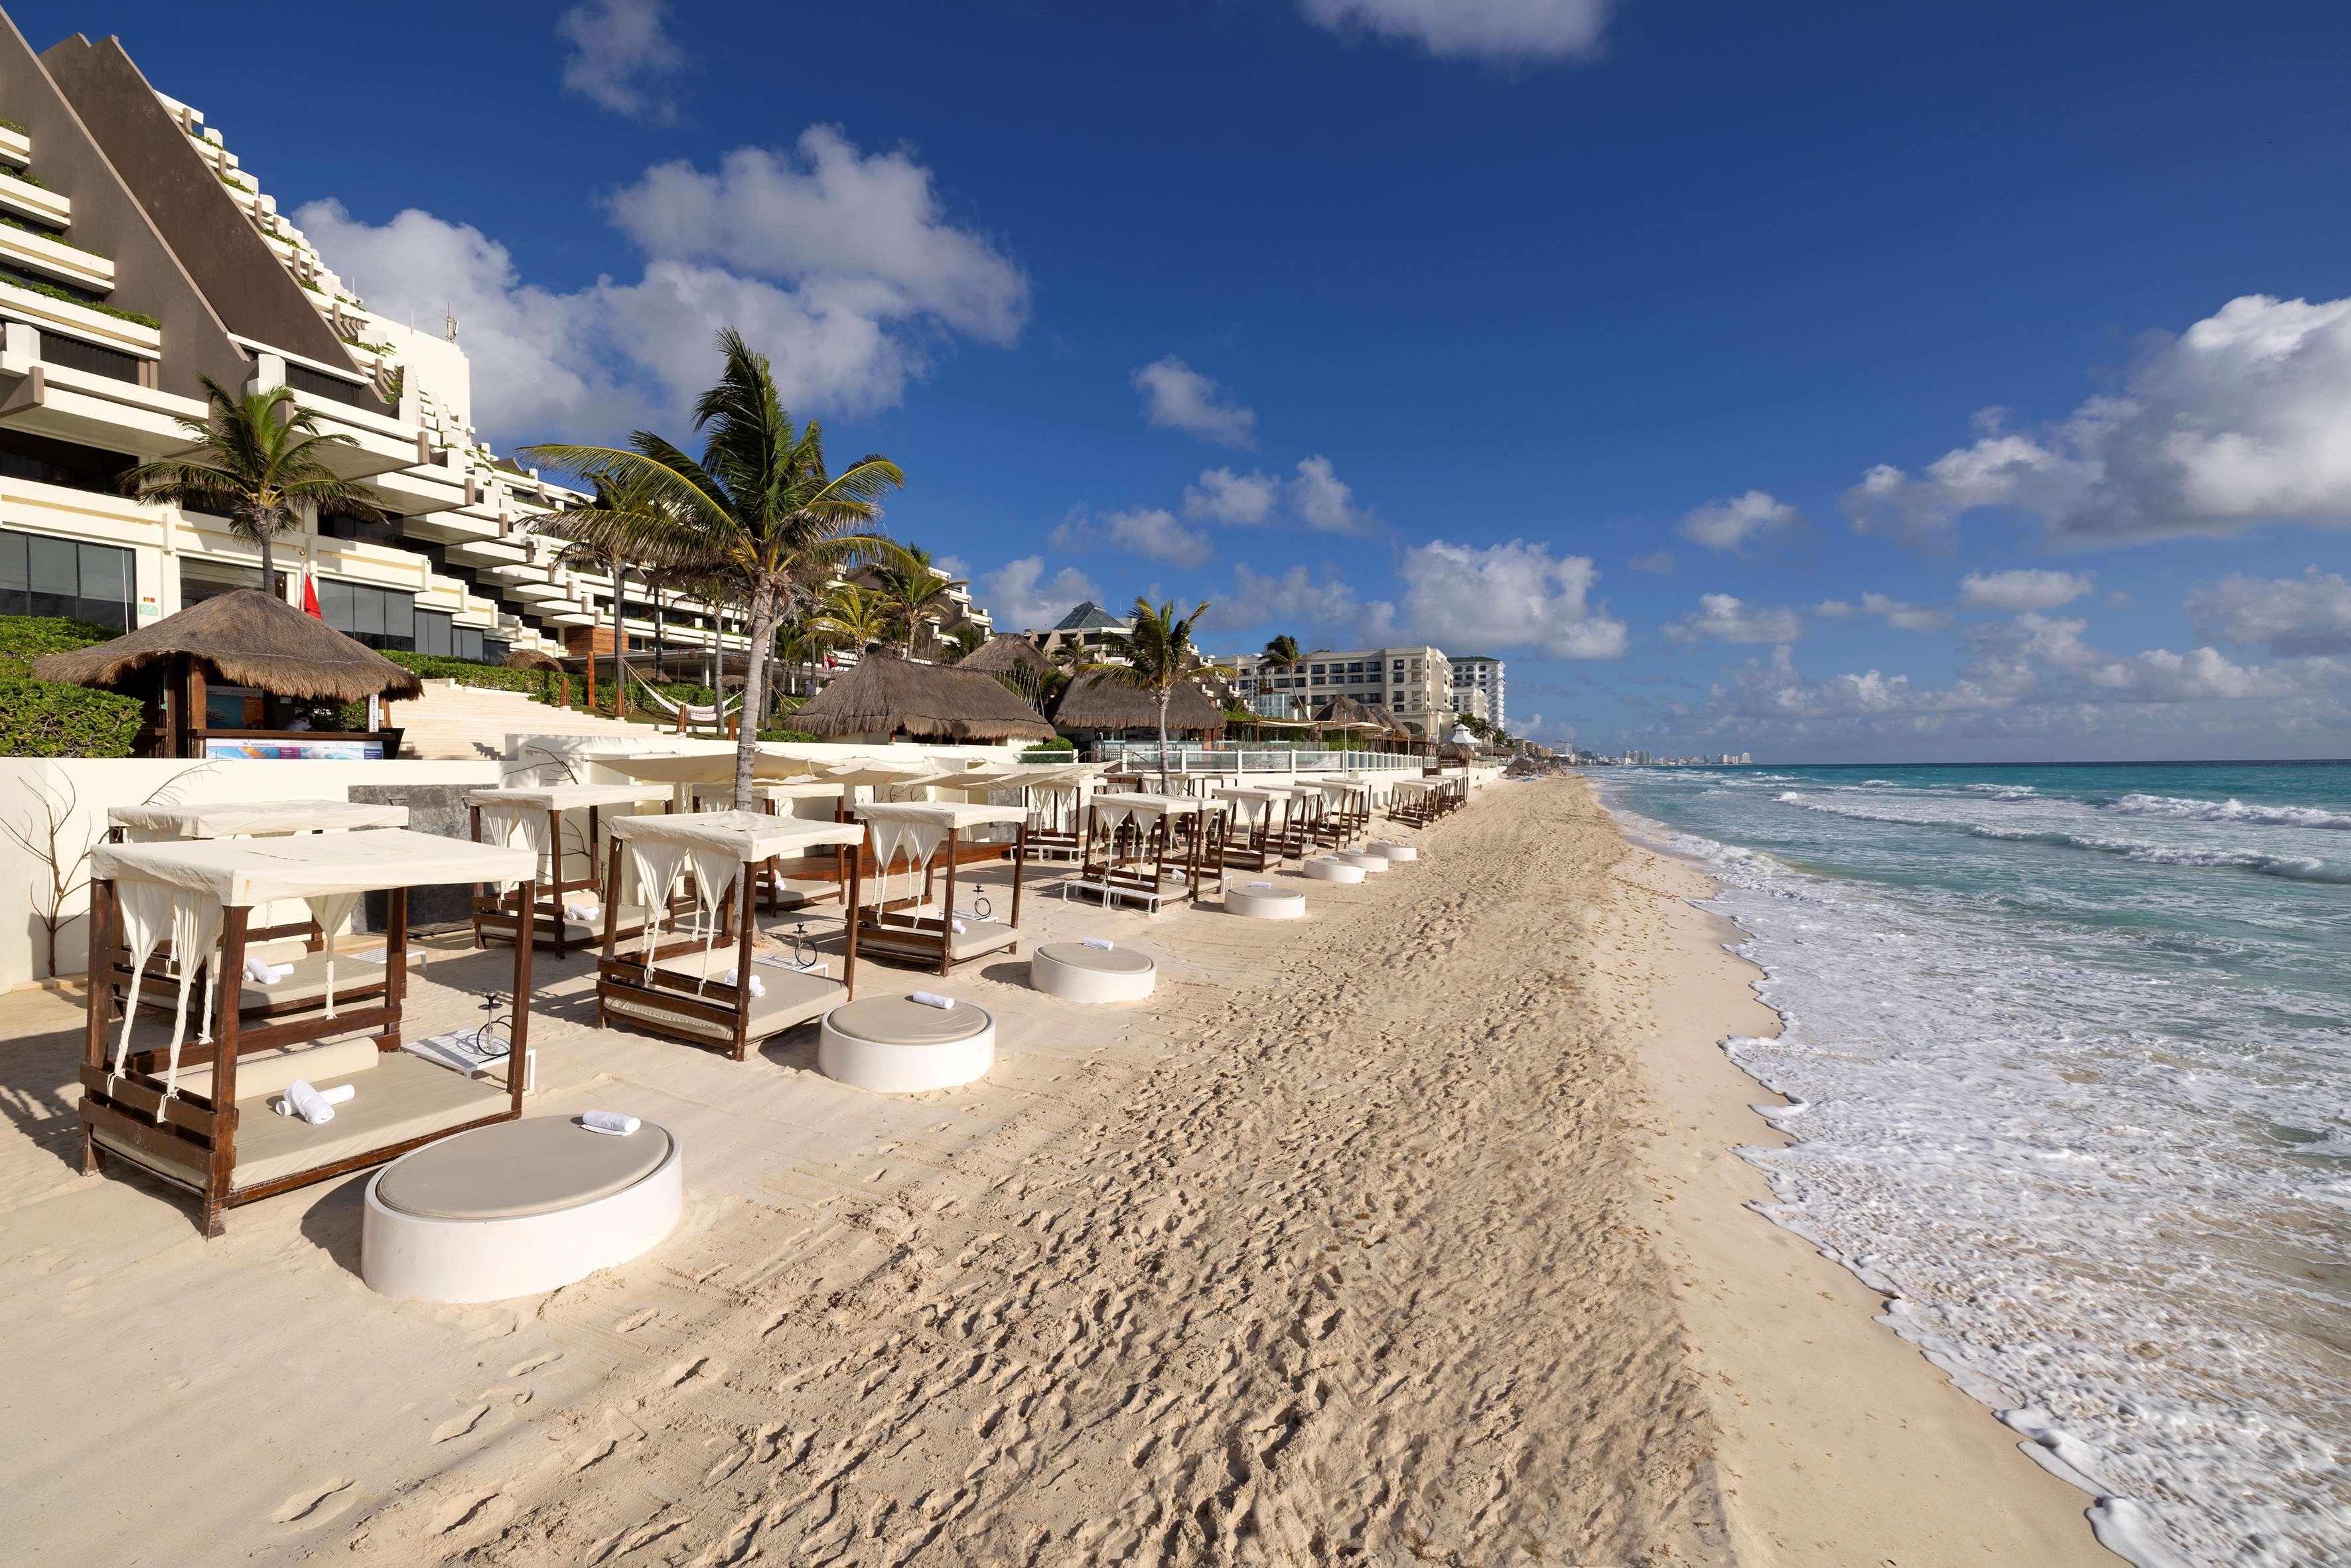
point(43, 838)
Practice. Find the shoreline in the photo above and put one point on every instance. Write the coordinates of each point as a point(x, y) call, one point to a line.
point(1857, 1448)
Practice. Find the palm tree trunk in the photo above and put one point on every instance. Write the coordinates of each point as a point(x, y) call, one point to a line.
point(1163, 740)
point(619, 641)
point(266, 536)
point(754, 694)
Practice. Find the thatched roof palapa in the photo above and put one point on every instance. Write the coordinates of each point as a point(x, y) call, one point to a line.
point(1344, 712)
point(1097, 702)
point(887, 696)
point(247, 638)
point(530, 659)
point(1005, 654)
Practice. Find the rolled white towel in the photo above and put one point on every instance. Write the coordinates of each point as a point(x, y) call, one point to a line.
point(758, 989)
point(931, 999)
point(262, 972)
point(612, 1124)
point(284, 1106)
point(1104, 943)
point(586, 913)
point(303, 1100)
point(958, 926)
point(1260, 884)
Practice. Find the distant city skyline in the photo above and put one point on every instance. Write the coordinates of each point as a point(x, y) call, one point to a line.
point(1908, 386)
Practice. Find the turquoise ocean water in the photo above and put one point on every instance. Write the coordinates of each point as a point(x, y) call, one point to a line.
point(2070, 1048)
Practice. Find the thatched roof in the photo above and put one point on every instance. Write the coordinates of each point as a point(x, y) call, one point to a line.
point(246, 638)
point(886, 696)
point(1344, 712)
point(530, 659)
point(1098, 703)
point(1005, 654)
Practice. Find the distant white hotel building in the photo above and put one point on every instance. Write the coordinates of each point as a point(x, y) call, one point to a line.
point(1416, 684)
point(1477, 687)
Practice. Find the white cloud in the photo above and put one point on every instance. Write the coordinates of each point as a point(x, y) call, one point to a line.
point(1835, 610)
point(1730, 525)
point(619, 48)
point(1513, 595)
point(844, 320)
point(1151, 532)
point(2157, 674)
point(1177, 397)
point(1498, 30)
point(1225, 497)
point(1906, 617)
point(2234, 424)
point(1728, 618)
point(1294, 597)
point(2024, 590)
point(827, 217)
point(1019, 597)
point(954, 566)
point(2289, 615)
point(1323, 501)
point(1660, 562)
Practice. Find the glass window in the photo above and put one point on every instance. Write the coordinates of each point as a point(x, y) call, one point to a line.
point(469, 643)
point(44, 576)
point(495, 651)
point(380, 617)
point(431, 629)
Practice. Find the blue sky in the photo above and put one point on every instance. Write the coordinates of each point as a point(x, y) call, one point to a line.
point(1835, 383)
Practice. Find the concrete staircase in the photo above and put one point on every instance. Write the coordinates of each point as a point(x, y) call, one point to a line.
point(469, 722)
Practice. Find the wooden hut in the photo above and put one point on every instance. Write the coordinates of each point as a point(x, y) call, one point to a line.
point(248, 643)
point(886, 697)
point(1097, 705)
point(1006, 654)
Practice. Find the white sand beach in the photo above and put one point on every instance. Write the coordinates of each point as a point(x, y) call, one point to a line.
point(1413, 1231)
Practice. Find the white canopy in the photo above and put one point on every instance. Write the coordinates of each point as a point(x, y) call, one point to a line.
point(768, 790)
point(1249, 792)
point(876, 770)
point(1337, 789)
point(241, 873)
point(748, 836)
point(1117, 808)
point(1414, 786)
point(958, 814)
point(568, 797)
point(696, 767)
point(246, 818)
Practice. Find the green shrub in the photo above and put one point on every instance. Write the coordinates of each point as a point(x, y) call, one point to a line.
point(1060, 748)
point(48, 718)
point(800, 736)
point(543, 685)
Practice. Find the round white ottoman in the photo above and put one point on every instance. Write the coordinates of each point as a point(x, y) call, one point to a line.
point(1331, 868)
point(895, 1045)
point(1392, 852)
point(1362, 860)
point(517, 1208)
point(1265, 903)
point(1077, 973)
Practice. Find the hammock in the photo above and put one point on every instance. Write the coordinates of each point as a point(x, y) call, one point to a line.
point(694, 714)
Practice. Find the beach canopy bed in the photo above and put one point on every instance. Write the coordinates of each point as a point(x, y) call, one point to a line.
point(1414, 802)
point(304, 982)
point(197, 1111)
point(1150, 848)
point(926, 838)
point(802, 881)
point(680, 985)
point(1296, 836)
point(533, 816)
point(1257, 832)
point(1347, 813)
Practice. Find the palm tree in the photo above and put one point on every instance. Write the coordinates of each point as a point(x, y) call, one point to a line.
point(966, 640)
point(910, 589)
point(257, 461)
point(1160, 658)
point(759, 513)
point(859, 617)
point(1282, 653)
point(592, 543)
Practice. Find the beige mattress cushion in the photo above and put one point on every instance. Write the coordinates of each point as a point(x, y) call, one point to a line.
point(354, 979)
point(401, 1097)
point(792, 999)
point(536, 1166)
point(976, 936)
point(894, 1021)
point(1111, 961)
point(262, 1073)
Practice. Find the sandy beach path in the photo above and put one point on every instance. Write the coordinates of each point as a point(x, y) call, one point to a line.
point(1342, 1268)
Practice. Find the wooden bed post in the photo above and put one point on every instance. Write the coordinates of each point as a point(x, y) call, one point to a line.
point(849, 926)
point(612, 919)
point(555, 874)
point(1020, 865)
point(474, 816)
point(947, 913)
point(395, 965)
point(223, 1168)
point(101, 999)
point(746, 896)
point(519, 1061)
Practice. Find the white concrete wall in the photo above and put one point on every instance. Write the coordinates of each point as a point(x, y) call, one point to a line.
point(94, 785)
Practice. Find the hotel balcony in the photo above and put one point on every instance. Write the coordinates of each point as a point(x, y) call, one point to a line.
point(54, 259)
point(22, 196)
point(15, 146)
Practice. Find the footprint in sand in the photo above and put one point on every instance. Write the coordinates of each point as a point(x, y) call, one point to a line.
point(521, 1369)
point(459, 1426)
point(304, 1504)
point(636, 1321)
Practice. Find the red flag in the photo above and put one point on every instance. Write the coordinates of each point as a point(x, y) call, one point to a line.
point(310, 598)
